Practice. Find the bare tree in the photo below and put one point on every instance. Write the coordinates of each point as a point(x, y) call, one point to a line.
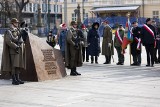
point(20, 5)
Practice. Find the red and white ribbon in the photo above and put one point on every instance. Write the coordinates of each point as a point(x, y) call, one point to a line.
point(139, 43)
point(151, 32)
point(118, 36)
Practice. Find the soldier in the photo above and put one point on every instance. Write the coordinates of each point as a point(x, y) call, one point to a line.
point(119, 34)
point(136, 45)
point(73, 49)
point(148, 37)
point(13, 56)
point(107, 44)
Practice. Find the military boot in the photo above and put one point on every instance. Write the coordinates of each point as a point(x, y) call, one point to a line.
point(72, 72)
point(75, 70)
point(17, 78)
point(14, 81)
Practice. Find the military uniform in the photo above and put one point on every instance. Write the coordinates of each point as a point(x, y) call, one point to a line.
point(73, 50)
point(107, 44)
point(118, 46)
point(13, 56)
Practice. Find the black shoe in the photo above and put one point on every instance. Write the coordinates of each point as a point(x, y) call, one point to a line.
point(73, 74)
point(17, 78)
point(14, 81)
point(152, 65)
point(147, 65)
point(87, 60)
point(77, 73)
point(134, 64)
point(96, 62)
point(139, 64)
point(92, 62)
point(120, 63)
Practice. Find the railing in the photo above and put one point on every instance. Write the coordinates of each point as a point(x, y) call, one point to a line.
point(2, 30)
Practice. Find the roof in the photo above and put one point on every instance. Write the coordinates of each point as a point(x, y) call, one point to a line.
point(114, 8)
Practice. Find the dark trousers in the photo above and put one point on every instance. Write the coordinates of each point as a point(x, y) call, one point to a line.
point(137, 59)
point(150, 53)
point(92, 59)
point(85, 53)
point(120, 55)
point(108, 58)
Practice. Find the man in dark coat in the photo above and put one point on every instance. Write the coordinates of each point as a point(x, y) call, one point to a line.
point(148, 38)
point(107, 43)
point(136, 44)
point(13, 56)
point(73, 49)
point(94, 42)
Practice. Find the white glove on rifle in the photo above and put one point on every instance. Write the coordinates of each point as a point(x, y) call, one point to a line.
point(109, 44)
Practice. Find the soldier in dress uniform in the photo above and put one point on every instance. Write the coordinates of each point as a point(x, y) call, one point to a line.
point(13, 56)
point(107, 43)
point(73, 49)
point(119, 34)
point(136, 44)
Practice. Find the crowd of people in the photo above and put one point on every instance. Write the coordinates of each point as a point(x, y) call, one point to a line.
point(78, 42)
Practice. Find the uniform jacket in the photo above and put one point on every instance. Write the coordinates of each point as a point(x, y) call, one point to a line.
point(73, 56)
point(9, 48)
point(116, 41)
point(107, 38)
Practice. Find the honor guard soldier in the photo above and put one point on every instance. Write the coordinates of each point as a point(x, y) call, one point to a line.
point(73, 49)
point(13, 56)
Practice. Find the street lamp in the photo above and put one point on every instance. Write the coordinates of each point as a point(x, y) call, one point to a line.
point(77, 12)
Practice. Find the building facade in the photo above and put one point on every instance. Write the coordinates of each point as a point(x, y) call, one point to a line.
point(105, 8)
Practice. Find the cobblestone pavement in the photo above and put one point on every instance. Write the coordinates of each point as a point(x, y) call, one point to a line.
point(99, 86)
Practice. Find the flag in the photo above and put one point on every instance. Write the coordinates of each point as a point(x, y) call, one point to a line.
point(128, 38)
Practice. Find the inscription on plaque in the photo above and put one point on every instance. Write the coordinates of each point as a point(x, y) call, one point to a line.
point(49, 61)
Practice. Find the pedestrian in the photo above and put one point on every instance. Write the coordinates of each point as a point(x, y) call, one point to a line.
point(157, 40)
point(107, 43)
point(51, 39)
point(93, 40)
point(136, 44)
point(148, 38)
point(85, 44)
point(73, 49)
point(62, 38)
point(13, 56)
point(118, 39)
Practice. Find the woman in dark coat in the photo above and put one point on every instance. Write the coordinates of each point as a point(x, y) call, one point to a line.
point(94, 42)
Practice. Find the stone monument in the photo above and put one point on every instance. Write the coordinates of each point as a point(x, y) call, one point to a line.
point(43, 62)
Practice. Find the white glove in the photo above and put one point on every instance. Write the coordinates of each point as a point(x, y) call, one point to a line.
point(109, 44)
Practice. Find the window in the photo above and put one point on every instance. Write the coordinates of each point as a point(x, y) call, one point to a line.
point(35, 7)
point(73, 1)
point(74, 17)
point(25, 8)
point(155, 14)
point(60, 8)
point(85, 0)
point(30, 7)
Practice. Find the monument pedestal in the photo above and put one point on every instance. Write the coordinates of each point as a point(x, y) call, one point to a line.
point(42, 63)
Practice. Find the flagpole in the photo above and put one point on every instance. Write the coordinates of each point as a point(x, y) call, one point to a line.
point(128, 16)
